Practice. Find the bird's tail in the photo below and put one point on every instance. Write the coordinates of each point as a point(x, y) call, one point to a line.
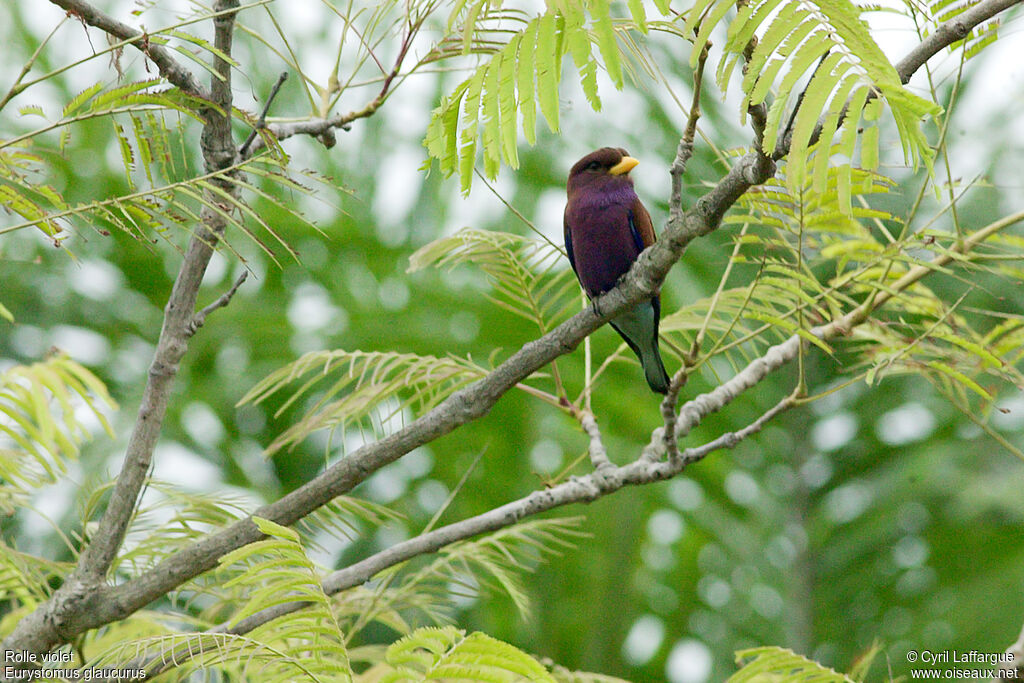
point(654, 369)
point(639, 327)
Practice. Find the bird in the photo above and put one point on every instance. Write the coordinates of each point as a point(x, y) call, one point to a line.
point(606, 228)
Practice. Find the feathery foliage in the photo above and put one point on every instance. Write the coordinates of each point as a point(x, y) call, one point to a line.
point(303, 645)
point(976, 40)
point(42, 427)
point(818, 255)
point(277, 572)
point(25, 579)
point(358, 383)
point(524, 73)
point(168, 520)
point(780, 664)
point(787, 242)
point(818, 58)
point(491, 563)
point(830, 42)
point(313, 643)
point(163, 193)
point(447, 653)
point(528, 275)
point(563, 675)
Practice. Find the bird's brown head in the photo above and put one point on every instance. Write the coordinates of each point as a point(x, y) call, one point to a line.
point(608, 164)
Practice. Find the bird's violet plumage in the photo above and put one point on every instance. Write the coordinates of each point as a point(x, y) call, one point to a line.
point(606, 228)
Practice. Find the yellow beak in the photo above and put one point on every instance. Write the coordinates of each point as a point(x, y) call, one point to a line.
point(624, 166)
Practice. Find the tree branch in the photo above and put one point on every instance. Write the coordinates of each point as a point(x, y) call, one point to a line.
point(586, 489)
point(685, 149)
point(168, 66)
point(223, 300)
point(948, 33)
point(59, 619)
point(105, 604)
point(261, 123)
point(607, 477)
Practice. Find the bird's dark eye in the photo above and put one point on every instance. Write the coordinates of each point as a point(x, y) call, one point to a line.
point(593, 166)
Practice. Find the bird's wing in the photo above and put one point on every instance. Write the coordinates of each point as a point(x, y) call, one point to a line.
point(640, 225)
point(568, 239)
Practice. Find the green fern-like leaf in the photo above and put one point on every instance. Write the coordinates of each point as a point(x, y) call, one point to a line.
point(179, 204)
point(498, 558)
point(171, 519)
point(239, 658)
point(304, 645)
point(25, 579)
point(944, 346)
point(523, 271)
point(563, 675)
point(977, 39)
point(359, 385)
point(792, 240)
point(447, 653)
point(39, 404)
point(345, 518)
point(493, 563)
point(22, 194)
point(163, 192)
point(780, 664)
point(278, 572)
point(480, 115)
point(831, 42)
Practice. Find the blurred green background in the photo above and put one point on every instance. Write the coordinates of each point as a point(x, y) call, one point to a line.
point(878, 513)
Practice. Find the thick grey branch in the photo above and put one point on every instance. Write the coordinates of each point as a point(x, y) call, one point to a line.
point(165, 62)
point(106, 604)
point(63, 615)
point(602, 482)
point(948, 33)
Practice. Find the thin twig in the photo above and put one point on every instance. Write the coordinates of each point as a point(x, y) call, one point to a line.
point(758, 113)
point(598, 453)
point(262, 122)
point(223, 300)
point(323, 128)
point(685, 149)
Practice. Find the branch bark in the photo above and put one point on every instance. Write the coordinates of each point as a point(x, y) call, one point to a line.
point(169, 67)
point(948, 33)
point(59, 619)
point(72, 612)
point(608, 478)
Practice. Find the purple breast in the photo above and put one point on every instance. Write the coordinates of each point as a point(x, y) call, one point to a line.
point(603, 244)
